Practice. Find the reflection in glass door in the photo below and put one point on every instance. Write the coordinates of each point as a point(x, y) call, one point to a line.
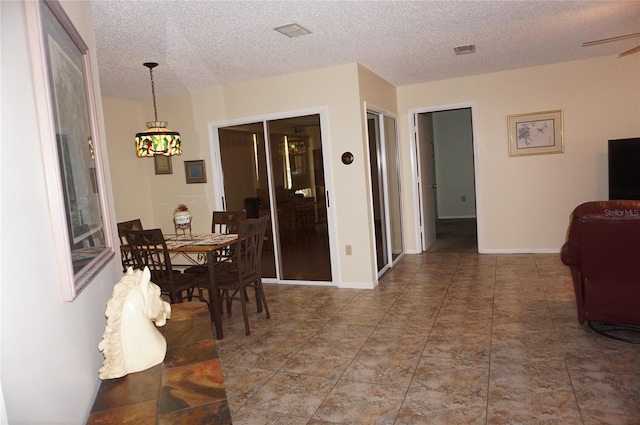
point(244, 174)
point(299, 193)
point(392, 162)
point(377, 188)
point(282, 176)
point(386, 189)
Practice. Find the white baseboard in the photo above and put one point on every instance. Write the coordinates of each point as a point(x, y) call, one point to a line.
point(357, 285)
point(450, 217)
point(521, 251)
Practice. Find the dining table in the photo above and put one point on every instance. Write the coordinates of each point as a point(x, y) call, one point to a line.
point(198, 248)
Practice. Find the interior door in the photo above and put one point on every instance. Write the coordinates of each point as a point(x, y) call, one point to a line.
point(424, 140)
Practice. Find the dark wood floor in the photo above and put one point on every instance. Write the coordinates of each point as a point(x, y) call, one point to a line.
point(455, 235)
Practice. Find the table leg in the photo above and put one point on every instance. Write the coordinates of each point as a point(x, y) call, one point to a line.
point(216, 316)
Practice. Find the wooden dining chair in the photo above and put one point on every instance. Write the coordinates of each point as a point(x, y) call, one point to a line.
point(243, 270)
point(149, 249)
point(126, 256)
point(227, 221)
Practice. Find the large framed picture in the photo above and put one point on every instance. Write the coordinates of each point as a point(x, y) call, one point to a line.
point(195, 172)
point(70, 147)
point(536, 133)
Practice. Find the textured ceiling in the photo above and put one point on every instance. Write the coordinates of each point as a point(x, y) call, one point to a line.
point(207, 43)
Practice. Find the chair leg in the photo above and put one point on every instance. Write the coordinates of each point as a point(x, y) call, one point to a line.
point(258, 298)
point(245, 314)
point(190, 294)
point(229, 299)
point(221, 298)
point(263, 299)
point(201, 295)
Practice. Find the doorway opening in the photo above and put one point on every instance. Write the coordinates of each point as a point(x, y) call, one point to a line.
point(445, 150)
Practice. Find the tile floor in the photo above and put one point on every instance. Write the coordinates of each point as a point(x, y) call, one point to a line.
point(446, 338)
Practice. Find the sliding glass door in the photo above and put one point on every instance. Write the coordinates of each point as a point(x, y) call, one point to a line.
point(392, 175)
point(385, 186)
point(275, 168)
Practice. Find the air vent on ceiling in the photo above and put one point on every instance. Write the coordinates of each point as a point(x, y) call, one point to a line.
point(465, 50)
point(292, 30)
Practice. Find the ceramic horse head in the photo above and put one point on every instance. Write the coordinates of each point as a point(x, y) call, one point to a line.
point(131, 342)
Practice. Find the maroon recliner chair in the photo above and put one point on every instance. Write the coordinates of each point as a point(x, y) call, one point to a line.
point(603, 252)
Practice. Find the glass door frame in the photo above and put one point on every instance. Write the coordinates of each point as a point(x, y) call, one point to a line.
point(384, 170)
point(218, 184)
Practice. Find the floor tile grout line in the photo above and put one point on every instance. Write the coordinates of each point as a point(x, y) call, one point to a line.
point(359, 351)
point(493, 311)
point(564, 359)
point(425, 345)
point(364, 344)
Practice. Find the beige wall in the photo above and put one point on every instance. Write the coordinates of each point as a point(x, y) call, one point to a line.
point(50, 358)
point(130, 175)
point(524, 202)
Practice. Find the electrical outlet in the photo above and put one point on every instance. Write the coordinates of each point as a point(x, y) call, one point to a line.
point(464, 198)
point(348, 249)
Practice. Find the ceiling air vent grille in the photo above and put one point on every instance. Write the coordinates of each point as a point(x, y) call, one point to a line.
point(292, 30)
point(465, 50)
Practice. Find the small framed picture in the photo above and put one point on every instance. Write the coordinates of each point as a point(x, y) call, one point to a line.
point(195, 172)
point(162, 164)
point(536, 133)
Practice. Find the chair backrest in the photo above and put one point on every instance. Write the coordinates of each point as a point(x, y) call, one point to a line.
point(126, 257)
point(124, 226)
point(607, 236)
point(149, 249)
point(602, 250)
point(248, 253)
point(253, 224)
point(227, 221)
point(254, 229)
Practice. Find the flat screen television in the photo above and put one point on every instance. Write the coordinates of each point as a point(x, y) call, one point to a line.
point(624, 168)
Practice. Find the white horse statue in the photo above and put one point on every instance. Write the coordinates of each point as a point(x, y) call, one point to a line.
point(130, 342)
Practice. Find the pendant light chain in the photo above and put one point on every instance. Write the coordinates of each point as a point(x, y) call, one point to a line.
point(153, 93)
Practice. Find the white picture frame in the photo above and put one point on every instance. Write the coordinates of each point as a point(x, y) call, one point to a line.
point(71, 147)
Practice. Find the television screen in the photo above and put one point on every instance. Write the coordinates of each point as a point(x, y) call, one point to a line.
point(624, 168)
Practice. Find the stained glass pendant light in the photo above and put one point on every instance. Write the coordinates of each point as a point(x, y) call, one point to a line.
point(157, 139)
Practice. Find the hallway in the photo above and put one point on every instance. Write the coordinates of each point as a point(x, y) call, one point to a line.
point(455, 235)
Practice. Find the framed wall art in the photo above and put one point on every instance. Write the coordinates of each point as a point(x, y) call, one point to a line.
point(70, 147)
point(195, 172)
point(162, 164)
point(536, 133)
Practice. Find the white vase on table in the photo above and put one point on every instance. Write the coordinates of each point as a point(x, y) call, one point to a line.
point(182, 220)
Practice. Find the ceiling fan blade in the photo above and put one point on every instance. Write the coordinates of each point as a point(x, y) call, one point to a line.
point(608, 40)
point(630, 51)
